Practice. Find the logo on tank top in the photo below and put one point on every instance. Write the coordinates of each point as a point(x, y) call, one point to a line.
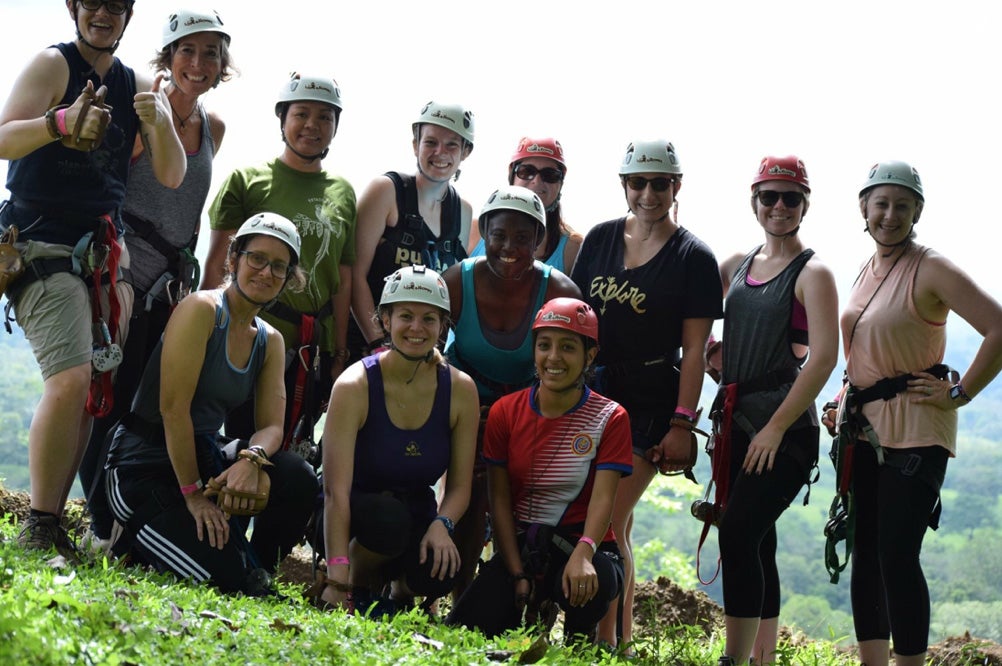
point(582, 444)
point(412, 450)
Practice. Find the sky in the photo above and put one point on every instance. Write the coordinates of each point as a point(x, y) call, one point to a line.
point(842, 85)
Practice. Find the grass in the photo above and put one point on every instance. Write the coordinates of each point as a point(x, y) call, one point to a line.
point(104, 613)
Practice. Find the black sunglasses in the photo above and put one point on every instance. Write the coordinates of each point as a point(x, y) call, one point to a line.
point(770, 197)
point(548, 174)
point(117, 7)
point(639, 183)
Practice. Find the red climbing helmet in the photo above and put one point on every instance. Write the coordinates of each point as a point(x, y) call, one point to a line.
point(790, 168)
point(569, 314)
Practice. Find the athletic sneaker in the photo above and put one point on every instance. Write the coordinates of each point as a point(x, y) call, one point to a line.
point(45, 533)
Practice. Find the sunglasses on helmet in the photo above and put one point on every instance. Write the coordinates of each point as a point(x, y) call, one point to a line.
point(770, 197)
point(639, 183)
point(548, 174)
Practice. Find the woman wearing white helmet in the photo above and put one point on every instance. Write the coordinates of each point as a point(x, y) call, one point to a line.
point(322, 205)
point(412, 219)
point(775, 295)
point(215, 352)
point(162, 223)
point(494, 299)
point(404, 417)
point(68, 126)
point(894, 332)
point(656, 289)
point(539, 165)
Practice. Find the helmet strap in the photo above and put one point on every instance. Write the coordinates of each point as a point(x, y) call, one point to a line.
point(417, 360)
point(308, 158)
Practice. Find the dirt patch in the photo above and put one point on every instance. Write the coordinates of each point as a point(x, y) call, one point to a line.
point(659, 603)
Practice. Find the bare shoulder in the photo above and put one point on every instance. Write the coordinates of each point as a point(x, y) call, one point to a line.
point(560, 284)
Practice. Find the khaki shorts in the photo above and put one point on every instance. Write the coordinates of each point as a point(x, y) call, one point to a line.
point(55, 313)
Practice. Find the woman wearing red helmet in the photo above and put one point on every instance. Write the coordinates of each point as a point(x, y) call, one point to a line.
point(768, 446)
point(538, 164)
point(555, 453)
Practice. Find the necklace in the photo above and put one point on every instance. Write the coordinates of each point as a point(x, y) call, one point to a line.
point(182, 121)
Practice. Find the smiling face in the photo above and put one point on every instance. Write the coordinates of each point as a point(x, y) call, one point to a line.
point(779, 219)
point(439, 152)
point(99, 27)
point(260, 284)
point(890, 212)
point(414, 328)
point(309, 127)
point(509, 243)
point(561, 358)
point(197, 62)
point(649, 205)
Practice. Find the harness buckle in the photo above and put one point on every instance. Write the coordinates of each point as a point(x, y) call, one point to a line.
point(912, 464)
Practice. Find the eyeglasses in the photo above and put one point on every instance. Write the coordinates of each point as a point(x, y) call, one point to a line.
point(259, 261)
point(548, 174)
point(770, 197)
point(117, 7)
point(639, 183)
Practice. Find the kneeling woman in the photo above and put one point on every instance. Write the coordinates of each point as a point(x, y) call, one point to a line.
point(402, 418)
point(215, 353)
point(555, 453)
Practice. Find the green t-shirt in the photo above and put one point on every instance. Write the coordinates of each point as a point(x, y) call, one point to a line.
point(321, 205)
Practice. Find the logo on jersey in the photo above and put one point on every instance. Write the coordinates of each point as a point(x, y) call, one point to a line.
point(582, 444)
point(412, 450)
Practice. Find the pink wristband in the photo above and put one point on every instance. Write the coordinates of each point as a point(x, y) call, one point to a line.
point(686, 412)
point(192, 488)
point(590, 542)
point(335, 561)
point(61, 126)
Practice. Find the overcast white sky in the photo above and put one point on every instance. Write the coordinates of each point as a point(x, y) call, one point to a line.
point(842, 85)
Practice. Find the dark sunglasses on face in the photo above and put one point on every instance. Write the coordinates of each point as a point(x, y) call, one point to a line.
point(117, 7)
point(548, 174)
point(258, 261)
point(770, 197)
point(639, 183)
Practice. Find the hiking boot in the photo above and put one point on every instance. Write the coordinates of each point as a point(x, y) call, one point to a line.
point(45, 533)
point(726, 661)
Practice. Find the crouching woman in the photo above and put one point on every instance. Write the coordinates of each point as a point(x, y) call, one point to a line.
point(555, 454)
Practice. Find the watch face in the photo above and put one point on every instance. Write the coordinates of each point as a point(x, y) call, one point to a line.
point(957, 393)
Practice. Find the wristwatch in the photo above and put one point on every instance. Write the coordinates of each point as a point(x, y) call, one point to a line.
point(450, 526)
point(958, 394)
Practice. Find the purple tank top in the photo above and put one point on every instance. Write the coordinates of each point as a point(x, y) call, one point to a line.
point(390, 458)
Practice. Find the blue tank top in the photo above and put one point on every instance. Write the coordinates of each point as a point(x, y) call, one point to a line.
point(496, 371)
point(71, 186)
point(390, 458)
point(555, 260)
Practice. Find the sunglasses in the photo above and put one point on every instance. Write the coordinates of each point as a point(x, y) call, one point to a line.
point(259, 261)
point(117, 7)
point(639, 183)
point(548, 174)
point(770, 197)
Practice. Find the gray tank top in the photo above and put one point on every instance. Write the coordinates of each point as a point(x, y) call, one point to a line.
point(175, 214)
point(757, 337)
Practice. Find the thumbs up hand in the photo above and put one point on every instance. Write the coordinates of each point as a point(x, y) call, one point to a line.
point(152, 107)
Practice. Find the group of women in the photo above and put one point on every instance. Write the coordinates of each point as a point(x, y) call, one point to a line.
point(569, 376)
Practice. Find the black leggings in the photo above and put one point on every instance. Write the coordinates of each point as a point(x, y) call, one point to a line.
point(748, 527)
point(889, 592)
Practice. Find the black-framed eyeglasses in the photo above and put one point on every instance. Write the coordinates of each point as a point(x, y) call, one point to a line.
point(117, 7)
point(770, 197)
point(548, 174)
point(639, 183)
point(258, 261)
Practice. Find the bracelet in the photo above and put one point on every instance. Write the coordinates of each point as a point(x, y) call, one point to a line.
point(254, 457)
point(335, 561)
point(449, 525)
point(341, 355)
point(192, 488)
point(257, 448)
point(61, 122)
point(591, 542)
point(683, 423)
point(686, 413)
